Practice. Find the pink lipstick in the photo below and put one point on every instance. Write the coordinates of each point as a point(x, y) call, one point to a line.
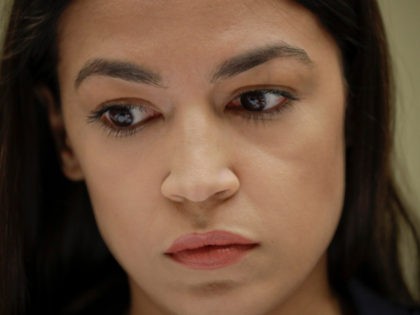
point(211, 250)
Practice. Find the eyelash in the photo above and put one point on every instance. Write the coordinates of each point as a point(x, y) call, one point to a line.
point(98, 116)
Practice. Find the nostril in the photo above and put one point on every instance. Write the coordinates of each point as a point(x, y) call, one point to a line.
point(177, 198)
point(182, 186)
point(199, 168)
point(223, 194)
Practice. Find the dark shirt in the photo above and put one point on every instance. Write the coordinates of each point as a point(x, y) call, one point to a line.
point(367, 302)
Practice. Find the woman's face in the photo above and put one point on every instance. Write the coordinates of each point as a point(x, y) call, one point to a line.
point(210, 137)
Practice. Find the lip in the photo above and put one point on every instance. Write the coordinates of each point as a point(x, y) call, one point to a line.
point(210, 250)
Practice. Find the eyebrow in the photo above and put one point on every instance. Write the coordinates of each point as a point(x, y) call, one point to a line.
point(256, 57)
point(118, 69)
point(135, 73)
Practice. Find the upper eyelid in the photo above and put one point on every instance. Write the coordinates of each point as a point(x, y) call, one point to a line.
point(102, 108)
point(287, 92)
point(265, 87)
point(128, 106)
point(125, 102)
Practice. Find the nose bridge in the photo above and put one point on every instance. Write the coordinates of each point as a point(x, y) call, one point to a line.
point(199, 161)
point(198, 141)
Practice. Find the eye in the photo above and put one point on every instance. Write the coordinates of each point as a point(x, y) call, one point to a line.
point(124, 116)
point(122, 119)
point(260, 103)
point(260, 100)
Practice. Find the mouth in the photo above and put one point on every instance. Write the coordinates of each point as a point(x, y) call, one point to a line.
point(211, 250)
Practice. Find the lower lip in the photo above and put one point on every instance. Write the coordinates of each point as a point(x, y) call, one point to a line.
point(211, 257)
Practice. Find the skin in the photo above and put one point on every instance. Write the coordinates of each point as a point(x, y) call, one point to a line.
point(198, 165)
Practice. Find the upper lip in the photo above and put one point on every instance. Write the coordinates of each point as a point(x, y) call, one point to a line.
point(213, 238)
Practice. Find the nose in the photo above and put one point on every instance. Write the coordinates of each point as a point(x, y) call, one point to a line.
point(199, 163)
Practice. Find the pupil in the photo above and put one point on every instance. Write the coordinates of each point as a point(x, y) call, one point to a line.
point(253, 101)
point(121, 117)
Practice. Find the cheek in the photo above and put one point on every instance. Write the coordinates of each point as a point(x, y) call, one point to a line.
point(307, 195)
point(294, 173)
point(299, 182)
point(122, 185)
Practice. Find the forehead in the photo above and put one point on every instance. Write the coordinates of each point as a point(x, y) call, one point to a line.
point(174, 12)
point(157, 32)
point(202, 21)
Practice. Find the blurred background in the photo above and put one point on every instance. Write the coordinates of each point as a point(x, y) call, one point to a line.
point(403, 26)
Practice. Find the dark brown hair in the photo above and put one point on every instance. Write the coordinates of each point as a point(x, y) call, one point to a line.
point(47, 231)
point(366, 243)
